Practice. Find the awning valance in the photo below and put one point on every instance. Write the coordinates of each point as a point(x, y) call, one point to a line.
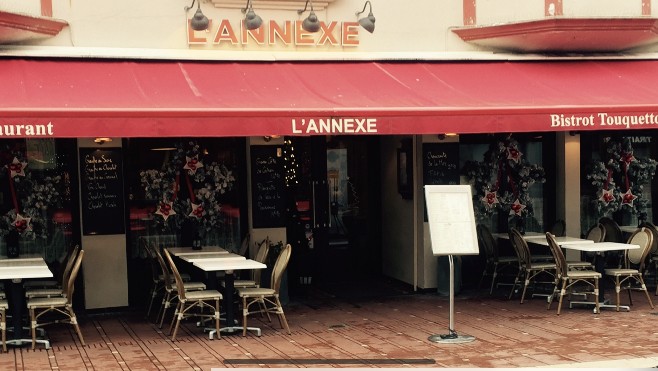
point(90, 98)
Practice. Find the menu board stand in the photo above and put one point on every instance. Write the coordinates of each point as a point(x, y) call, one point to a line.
point(452, 232)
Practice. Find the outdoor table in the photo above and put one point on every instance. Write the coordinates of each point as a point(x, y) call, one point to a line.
point(14, 271)
point(599, 248)
point(180, 251)
point(562, 241)
point(212, 266)
point(191, 258)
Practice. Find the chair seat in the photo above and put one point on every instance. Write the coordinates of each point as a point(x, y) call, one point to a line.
point(255, 291)
point(43, 293)
point(542, 257)
point(621, 271)
point(203, 294)
point(583, 274)
point(244, 283)
point(184, 276)
point(579, 264)
point(190, 286)
point(46, 302)
point(41, 284)
point(507, 259)
point(543, 266)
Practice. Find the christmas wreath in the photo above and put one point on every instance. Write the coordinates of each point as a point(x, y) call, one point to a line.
point(203, 184)
point(618, 181)
point(31, 198)
point(501, 181)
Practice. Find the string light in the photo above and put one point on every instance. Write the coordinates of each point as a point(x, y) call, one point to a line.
point(290, 165)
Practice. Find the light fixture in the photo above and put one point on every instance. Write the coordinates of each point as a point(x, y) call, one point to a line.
point(367, 22)
point(251, 20)
point(102, 140)
point(311, 23)
point(199, 21)
point(267, 138)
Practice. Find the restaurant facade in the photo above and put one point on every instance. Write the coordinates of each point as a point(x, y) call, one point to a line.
point(120, 124)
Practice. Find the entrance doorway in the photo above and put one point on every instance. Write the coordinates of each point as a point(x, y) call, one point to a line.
point(334, 215)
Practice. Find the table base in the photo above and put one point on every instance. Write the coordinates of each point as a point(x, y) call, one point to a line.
point(20, 342)
point(605, 304)
point(230, 330)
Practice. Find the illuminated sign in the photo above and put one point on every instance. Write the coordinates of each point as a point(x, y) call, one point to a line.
point(273, 33)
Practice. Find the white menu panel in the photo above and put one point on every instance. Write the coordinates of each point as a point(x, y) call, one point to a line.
point(451, 219)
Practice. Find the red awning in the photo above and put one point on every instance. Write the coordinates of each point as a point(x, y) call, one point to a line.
point(90, 98)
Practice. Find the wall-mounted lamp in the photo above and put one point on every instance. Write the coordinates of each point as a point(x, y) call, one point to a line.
point(444, 136)
point(311, 23)
point(199, 22)
point(251, 20)
point(367, 22)
point(267, 138)
point(102, 140)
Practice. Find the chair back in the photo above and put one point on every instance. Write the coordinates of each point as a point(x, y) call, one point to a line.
point(558, 255)
point(612, 231)
point(66, 273)
point(654, 231)
point(637, 257)
point(487, 242)
point(520, 247)
point(155, 266)
point(245, 245)
point(261, 257)
point(166, 274)
point(70, 284)
point(559, 228)
point(279, 267)
point(596, 233)
point(179, 281)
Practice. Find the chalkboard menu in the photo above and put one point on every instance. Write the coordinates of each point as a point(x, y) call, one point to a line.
point(268, 185)
point(441, 163)
point(101, 180)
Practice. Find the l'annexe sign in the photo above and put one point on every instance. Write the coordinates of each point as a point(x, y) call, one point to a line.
point(273, 33)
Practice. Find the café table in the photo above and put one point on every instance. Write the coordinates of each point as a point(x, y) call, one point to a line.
point(228, 266)
point(601, 248)
point(213, 260)
point(13, 271)
point(181, 251)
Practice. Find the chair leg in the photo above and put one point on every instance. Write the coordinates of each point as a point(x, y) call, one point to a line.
point(597, 308)
point(493, 280)
point(74, 322)
point(646, 292)
point(178, 316)
point(525, 285)
point(617, 290)
point(177, 312)
point(282, 316)
point(166, 303)
point(516, 281)
point(563, 291)
point(245, 312)
point(217, 314)
point(33, 328)
point(4, 330)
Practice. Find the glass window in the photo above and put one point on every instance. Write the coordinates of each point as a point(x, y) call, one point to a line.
point(185, 190)
point(36, 196)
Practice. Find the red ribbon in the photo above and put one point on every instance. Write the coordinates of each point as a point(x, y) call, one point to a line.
point(189, 187)
point(13, 191)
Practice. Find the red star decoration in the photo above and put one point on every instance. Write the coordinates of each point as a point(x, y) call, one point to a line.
point(606, 196)
point(197, 211)
point(17, 168)
point(166, 210)
point(517, 208)
point(628, 198)
point(490, 198)
point(513, 154)
point(192, 164)
point(22, 224)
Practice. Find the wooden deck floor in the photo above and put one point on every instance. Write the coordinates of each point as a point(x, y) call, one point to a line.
point(374, 332)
